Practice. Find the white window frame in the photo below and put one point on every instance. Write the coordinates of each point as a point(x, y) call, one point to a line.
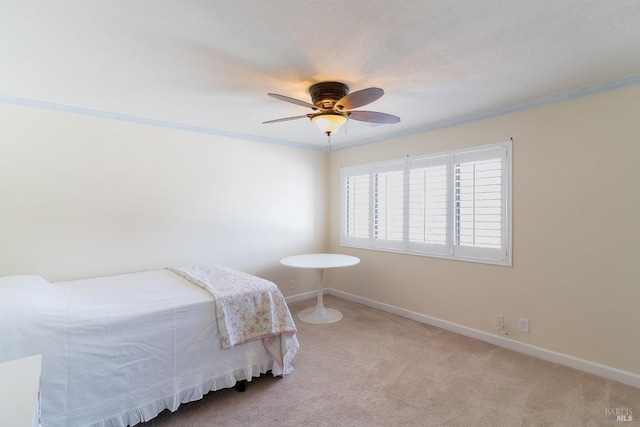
point(448, 250)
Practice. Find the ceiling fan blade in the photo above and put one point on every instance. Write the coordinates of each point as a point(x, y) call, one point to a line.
point(292, 100)
point(373, 117)
point(359, 98)
point(286, 119)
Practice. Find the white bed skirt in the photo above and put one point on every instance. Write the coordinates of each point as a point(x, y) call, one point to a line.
point(151, 410)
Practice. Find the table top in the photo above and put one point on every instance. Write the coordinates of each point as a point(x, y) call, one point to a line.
point(320, 261)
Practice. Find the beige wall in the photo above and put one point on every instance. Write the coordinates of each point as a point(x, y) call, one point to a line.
point(576, 235)
point(83, 196)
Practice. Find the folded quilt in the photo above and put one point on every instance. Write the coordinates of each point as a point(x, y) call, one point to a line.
point(247, 308)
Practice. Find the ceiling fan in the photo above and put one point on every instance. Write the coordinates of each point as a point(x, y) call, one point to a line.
point(333, 105)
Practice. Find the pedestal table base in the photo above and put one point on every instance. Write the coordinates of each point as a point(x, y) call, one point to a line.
point(319, 315)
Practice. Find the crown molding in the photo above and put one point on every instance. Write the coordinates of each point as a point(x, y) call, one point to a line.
point(108, 115)
point(536, 103)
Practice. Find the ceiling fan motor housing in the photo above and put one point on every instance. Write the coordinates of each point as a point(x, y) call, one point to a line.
point(325, 94)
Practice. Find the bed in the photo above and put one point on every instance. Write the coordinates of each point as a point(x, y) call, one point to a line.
point(118, 350)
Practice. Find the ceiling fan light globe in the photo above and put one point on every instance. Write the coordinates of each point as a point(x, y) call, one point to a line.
point(329, 123)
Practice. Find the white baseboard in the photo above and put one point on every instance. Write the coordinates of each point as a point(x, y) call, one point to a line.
point(303, 296)
point(604, 371)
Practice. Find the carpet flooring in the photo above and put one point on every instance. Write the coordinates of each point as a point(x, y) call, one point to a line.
point(373, 368)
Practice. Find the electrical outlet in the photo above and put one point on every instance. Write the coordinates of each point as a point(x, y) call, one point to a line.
point(499, 323)
point(292, 284)
point(523, 325)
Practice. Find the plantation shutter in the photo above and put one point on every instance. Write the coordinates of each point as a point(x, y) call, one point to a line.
point(356, 201)
point(479, 204)
point(428, 205)
point(388, 229)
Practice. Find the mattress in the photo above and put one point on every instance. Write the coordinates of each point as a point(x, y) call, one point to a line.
point(118, 350)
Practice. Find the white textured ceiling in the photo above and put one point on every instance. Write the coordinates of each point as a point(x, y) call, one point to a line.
point(207, 65)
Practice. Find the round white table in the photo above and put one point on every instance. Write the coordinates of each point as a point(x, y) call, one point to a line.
point(320, 314)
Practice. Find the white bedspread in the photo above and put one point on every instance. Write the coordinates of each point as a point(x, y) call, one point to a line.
point(118, 350)
point(248, 308)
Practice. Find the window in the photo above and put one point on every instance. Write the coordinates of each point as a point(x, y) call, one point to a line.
point(454, 205)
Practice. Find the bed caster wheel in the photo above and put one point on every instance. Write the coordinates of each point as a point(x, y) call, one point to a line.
point(241, 386)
